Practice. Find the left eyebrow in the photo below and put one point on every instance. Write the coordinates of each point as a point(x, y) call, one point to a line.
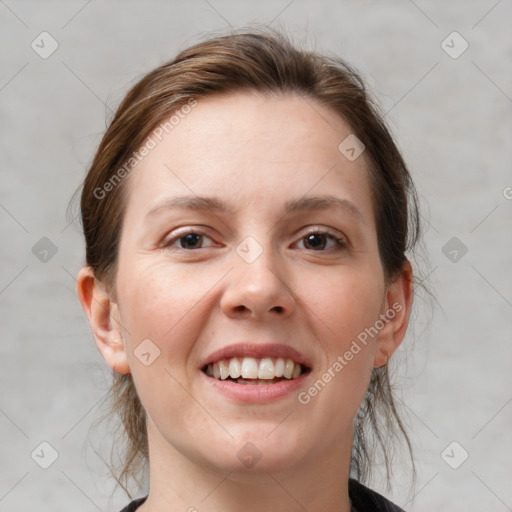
point(311, 203)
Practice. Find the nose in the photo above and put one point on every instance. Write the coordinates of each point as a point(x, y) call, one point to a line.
point(258, 289)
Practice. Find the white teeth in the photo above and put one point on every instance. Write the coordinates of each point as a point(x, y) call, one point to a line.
point(279, 367)
point(216, 370)
point(288, 369)
point(224, 369)
point(266, 369)
point(257, 371)
point(249, 368)
point(235, 370)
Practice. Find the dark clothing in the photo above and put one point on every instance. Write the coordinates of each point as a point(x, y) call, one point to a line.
point(132, 507)
point(363, 500)
point(366, 500)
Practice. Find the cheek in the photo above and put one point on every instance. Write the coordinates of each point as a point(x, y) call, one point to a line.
point(161, 304)
point(345, 306)
point(166, 306)
point(346, 301)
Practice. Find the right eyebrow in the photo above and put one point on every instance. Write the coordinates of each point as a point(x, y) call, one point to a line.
point(212, 204)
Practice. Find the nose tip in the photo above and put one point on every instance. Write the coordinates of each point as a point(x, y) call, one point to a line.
point(258, 288)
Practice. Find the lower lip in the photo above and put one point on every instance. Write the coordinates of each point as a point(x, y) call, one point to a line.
point(258, 393)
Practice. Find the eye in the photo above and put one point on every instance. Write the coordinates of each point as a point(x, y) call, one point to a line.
point(318, 240)
point(189, 240)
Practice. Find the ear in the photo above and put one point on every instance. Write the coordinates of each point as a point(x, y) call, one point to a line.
point(103, 315)
point(395, 316)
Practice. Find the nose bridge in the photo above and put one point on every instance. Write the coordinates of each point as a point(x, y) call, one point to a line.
point(258, 283)
point(258, 262)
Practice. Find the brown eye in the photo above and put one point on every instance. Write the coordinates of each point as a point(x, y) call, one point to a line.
point(316, 241)
point(319, 241)
point(190, 241)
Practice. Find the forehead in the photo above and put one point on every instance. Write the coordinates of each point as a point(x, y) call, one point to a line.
point(250, 147)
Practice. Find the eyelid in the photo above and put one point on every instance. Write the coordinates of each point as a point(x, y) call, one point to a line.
point(339, 237)
point(170, 241)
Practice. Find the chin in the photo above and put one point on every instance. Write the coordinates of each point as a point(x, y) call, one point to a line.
point(253, 450)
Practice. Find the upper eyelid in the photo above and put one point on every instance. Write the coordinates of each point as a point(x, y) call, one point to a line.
point(338, 235)
point(174, 238)
point(341, 239)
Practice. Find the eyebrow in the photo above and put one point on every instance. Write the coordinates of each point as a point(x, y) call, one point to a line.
point(215, 205)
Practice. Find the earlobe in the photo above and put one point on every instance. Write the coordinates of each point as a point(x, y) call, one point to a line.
point(396, 311)
point(102, 313)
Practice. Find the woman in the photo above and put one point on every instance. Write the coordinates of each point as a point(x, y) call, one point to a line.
point(247, 217)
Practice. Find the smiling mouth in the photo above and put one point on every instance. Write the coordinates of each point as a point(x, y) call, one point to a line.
point(254, 371)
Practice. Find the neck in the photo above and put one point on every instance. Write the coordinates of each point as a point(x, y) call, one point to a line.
point(318, 483)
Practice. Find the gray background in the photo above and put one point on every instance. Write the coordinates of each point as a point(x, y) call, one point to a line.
point(452, 119)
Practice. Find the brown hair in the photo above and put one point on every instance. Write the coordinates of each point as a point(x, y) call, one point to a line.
point(263, 61)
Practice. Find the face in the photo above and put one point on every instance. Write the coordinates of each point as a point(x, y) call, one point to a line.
point(276, 265)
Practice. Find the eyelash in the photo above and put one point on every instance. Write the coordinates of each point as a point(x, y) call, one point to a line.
point(341, 242)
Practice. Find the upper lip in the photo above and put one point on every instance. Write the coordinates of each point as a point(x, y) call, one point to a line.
point(258, 351)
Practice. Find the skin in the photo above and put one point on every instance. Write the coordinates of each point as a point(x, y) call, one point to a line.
point(254, 152)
